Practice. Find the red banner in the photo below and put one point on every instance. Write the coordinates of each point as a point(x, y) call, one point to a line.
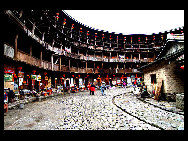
point(8, 69)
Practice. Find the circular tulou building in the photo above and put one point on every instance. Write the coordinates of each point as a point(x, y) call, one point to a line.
point(49, 49)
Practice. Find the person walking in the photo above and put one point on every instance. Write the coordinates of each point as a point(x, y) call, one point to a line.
point(103, 88)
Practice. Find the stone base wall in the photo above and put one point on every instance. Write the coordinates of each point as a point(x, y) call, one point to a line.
point(170, 73)
point(180, 101)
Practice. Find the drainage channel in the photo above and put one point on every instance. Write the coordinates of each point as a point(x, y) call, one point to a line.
point(159, 107)
point(154, 125)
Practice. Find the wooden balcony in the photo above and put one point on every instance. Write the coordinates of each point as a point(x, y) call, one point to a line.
point(147, 60)
point(98, 59)
point(46, 65)
point(65, 68)
point(151, 59)
point(128, 70)
point(107, 58)
point(121, 71)
point(24, 57)
point(73, 69)
point(96, 70)
point(89, 70)
point(56, 67)
point(82, 70)
point(105, 70)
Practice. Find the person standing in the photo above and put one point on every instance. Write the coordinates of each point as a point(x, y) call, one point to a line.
point(92, 88)
point(124, 84)
point(5, 97)
point(11, 96)
point(89, 88)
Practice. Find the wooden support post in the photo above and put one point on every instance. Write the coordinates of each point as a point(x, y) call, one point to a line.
point(33, 29)
point(60, 63)
point(16, 47)
point(86, 66)
point(78, 68)
point(94, 67)
point(52, 61)
point(139, 56)
point(69, 64)
point(31, 50)
point(41, 57)
point(154, 55)
point(43, 36)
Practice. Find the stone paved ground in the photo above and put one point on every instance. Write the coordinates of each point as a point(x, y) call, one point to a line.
point(81, 111)
point(151, 114)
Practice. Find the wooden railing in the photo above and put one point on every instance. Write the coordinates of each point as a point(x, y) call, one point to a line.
point(107, 59)
point(65, 68)
point(73, 69)
point(90, 70)
point(96, 70)
point(121, 71)
point(128, 70)
point(24, 57)
point(46, 65)
point(83, 70)
point(56, 67)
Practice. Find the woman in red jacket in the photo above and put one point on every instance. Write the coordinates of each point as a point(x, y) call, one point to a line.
point(92, 89)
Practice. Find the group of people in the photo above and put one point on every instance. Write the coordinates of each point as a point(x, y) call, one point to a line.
point(91, 87)
point(103, 87)
point(9, 95)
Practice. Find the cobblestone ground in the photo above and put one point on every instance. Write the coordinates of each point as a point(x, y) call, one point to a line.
point(81, 111)
point(158, 117)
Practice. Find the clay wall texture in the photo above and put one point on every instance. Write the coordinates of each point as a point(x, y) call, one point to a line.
point(169, 72)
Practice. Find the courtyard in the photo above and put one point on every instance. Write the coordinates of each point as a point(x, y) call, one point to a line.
point(119, 109)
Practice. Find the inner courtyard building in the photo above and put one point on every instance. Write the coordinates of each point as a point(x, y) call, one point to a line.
point(47, 52)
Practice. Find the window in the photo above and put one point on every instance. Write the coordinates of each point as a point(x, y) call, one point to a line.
point(153, 78)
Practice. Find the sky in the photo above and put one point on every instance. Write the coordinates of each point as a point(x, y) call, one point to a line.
point(130, 21)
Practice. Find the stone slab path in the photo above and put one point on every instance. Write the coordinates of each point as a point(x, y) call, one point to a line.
point(81, 111)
